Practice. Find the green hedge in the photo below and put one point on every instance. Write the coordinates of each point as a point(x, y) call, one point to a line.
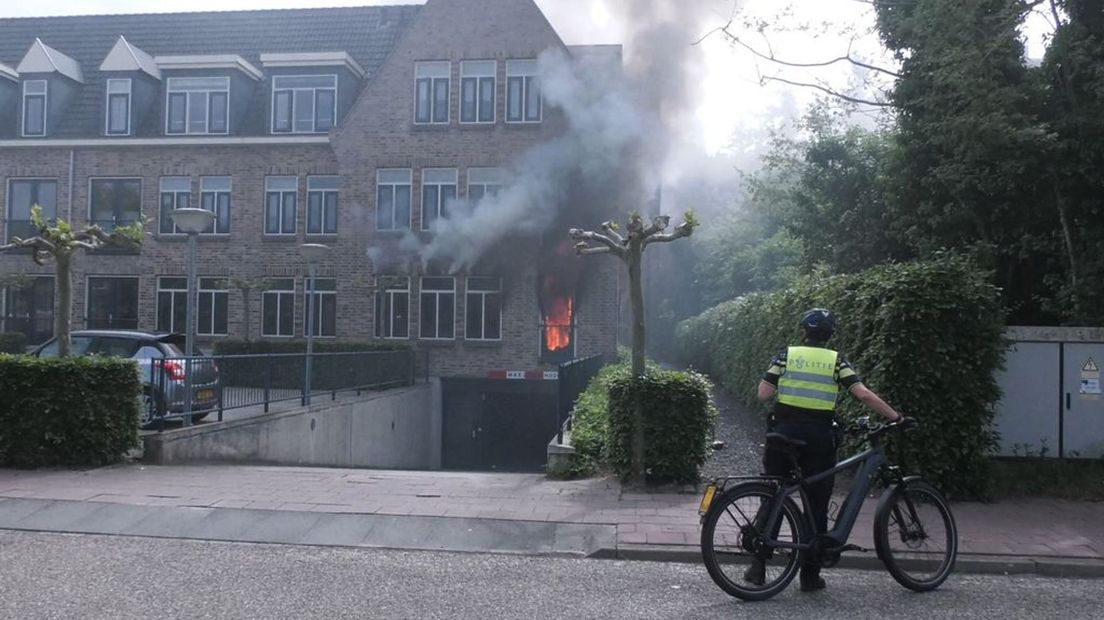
point(925, 335)
point(13, 342)
point(78, 411)
point(678, 424)
point(590, 421)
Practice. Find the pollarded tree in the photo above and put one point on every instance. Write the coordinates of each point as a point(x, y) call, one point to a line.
point(60, 242)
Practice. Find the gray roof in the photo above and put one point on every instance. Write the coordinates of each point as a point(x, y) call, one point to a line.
point(366, 33)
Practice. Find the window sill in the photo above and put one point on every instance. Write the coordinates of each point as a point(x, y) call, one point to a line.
point(524, 125)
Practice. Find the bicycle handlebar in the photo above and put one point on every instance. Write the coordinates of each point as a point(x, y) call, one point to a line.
point(863, 425)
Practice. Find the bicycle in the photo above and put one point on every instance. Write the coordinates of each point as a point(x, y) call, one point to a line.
point(756, 516)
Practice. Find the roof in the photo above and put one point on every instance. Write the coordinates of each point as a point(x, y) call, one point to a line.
point(42, 58)
point(125, 57)
point(367, 34)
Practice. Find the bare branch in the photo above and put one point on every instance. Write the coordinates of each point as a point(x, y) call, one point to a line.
point(595, 250)
point(587, 235)
point(611, 232)
point(880, 104)
point(684, 229)
point(769, 55)
point(659, 224)
point(88, 245)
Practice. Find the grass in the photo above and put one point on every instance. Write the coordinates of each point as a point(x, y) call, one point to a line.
point(1073, 479)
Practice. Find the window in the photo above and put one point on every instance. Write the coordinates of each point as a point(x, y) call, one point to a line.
point(392, 307)
point(393, 199)
point(523, 95)
point(172, 304)
point(212, 302)
point(118, 107)
point(214, 196)
point(280, 205)
point(484, 309)
point(198, 105)
point(431, 92)
point(112, 303)
point(477, 91)
point(483, 182)
point(304, 103)
point(438, 301)
point(278, 308)
point(23, 194)
point(176, 193)
point(438, 188)
point(322, 205)
point(325, 306)
point(115, 202)
point(27, 307)
point(34, 108)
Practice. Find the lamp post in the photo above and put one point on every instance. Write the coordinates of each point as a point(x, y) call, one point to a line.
point(191, 222)
point(313, 253)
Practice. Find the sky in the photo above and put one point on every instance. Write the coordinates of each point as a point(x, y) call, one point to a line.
point(730, 96)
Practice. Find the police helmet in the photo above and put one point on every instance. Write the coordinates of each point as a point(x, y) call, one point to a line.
point(819, 324)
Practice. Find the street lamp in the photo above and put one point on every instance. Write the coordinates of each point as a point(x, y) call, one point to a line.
point(313, 253)
point(191, 222)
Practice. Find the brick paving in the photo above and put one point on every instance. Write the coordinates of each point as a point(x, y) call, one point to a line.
point(1031, 527)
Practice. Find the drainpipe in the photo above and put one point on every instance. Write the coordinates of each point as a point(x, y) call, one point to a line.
point(72, 162)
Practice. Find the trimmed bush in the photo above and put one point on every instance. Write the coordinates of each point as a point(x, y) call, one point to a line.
point(925, 335)
point(590, 421)
point(77, 411)
point(13, 342)
point(678, 422)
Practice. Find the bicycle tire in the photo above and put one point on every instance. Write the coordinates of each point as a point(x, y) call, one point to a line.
point(900, 508)
point(721, 550)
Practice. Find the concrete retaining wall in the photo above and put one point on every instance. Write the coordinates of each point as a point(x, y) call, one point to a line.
point(395, 429)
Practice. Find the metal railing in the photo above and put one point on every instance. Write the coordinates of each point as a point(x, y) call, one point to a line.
point(574, 376)
point(226, 382)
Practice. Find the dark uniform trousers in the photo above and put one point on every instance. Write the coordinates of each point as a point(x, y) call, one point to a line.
point(817, 455)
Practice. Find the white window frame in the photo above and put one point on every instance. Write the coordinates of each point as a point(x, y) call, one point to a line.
point(390, 291)
point(524, 69)
point(278, 294)
point(482, 294)
point(217, 191)
point(433, 70)
point(172, 292)
point(214, 292)
point(169, 92)
point(436, 294)
point(176, 203)
point(107, 104)
point(334, 187)
point(296, 92)
point(88, 296)
point(318, 305)
point(381, 172)
point(482, 177)
point(282, 192)
point(478, 70)
point(45, 94)
point(439, 182)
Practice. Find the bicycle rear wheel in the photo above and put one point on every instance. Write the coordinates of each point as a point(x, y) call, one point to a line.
point(915, 536)
point(732, 537)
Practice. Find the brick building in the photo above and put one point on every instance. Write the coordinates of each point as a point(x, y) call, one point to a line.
point(352, 127)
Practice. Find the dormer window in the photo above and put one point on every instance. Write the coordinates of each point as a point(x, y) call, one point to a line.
point(198, 105)
point(304, 103)
point(34, 108)
point(118, 107)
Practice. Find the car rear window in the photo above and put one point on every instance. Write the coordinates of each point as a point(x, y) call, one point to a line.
point(79, 346)
point(115, 347)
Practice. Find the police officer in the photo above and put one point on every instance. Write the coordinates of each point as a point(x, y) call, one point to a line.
point(806, 380)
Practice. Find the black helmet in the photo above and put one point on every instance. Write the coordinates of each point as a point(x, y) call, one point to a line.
point(819, 324)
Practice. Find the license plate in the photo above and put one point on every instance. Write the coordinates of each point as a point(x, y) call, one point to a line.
point(205, 395)
point(707, 499)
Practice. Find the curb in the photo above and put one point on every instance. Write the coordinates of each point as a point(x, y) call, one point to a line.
point(966, 563)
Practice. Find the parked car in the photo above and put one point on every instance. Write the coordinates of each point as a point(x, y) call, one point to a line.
point(161, 364)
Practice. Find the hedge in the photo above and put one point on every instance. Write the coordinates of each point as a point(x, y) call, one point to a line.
point(678, 422)
point(13, 342)
point(77, 411)
point(925, 335)
point(590, 421)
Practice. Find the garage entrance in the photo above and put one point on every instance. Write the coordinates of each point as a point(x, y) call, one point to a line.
point(497, 425)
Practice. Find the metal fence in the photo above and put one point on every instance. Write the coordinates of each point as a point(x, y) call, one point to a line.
point(184, 387)
point(574, 376)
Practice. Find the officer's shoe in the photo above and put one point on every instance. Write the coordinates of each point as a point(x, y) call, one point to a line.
point(756, 574)
point(811, 581)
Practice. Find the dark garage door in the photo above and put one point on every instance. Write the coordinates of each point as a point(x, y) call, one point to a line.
point(497, 425)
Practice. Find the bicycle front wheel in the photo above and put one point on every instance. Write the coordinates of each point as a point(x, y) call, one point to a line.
point(733, 539)
point(915, 536)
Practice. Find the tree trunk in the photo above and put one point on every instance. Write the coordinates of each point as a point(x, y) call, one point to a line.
point(63, 314)
point(636, 297)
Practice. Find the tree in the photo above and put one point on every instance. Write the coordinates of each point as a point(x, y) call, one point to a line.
point(246, 285)
point(630, 249)
point(60, 242)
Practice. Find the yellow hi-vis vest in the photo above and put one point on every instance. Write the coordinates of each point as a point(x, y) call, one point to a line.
point(809, 380)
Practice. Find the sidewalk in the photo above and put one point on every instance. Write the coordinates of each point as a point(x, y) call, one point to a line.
point(522, 513)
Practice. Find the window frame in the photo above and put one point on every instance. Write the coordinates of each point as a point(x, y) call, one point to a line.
point(440, 206)
point(217, 288)
point(433, 81)
point(469, 183)
point(388, 292)
point(172, 292)
point(319, 305)
point(393, 185)
point(176, 195)
point(45, 96)
point(528, 78)
point(31, 289)
point(279, 294)
point(92, 181)
point(294, 92)
point(210, 92)
point(214, 229)
point(478, 77)
point(88, 299)
point(482, 294)
point(283, 193)
point(107, 105)
point(437, 294)
point(324, 193)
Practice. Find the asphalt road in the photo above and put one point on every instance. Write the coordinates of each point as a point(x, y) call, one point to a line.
point(45, 575)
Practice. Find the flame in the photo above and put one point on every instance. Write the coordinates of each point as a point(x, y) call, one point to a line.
point(558, 324)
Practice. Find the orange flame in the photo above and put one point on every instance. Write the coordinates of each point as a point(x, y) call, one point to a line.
point(558, 325)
